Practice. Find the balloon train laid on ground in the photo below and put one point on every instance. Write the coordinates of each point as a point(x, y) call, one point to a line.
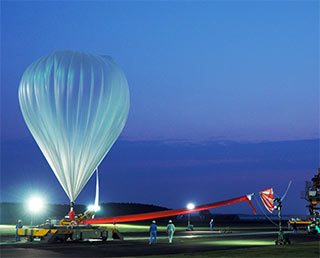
point(75, 106)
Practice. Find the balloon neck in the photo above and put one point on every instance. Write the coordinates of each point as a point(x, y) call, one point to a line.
point(71, 205)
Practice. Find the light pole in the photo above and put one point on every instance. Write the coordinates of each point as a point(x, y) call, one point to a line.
point(190, 206)
point(282, 237)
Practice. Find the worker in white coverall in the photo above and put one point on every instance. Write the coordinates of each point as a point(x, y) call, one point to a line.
point(170, 229)
point(211, 224)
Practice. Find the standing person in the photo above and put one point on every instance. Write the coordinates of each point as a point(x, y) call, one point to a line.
point(211, 225)
point(153, 233)
point(71, 214)
point(170, 229)
point(294, 226)
point(19, 225)
point(47, 225)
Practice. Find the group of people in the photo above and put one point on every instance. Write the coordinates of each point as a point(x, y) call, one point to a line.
point(153, 232)
point(170, 230)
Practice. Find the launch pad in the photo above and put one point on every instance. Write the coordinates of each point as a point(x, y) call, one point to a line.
point(66, 233)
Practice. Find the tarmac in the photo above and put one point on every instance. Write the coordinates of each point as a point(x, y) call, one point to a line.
point(135, 245)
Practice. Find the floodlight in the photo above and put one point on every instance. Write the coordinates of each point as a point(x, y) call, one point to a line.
point(35, 204)
point(93, 207)
point(190, 206)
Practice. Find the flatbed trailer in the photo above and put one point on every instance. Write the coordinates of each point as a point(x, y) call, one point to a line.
point(300, 223)
point(69, 233)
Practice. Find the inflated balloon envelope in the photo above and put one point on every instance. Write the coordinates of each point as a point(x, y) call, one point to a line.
point(75, 106)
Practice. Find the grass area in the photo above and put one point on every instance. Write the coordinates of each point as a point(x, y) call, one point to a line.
point(124, 228)
point(305, 250)
point(238, 242)
point(7, 230)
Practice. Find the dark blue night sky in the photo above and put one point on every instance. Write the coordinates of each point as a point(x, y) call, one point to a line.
point(224, 97)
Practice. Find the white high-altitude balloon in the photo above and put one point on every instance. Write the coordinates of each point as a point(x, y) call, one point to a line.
point(75, 106)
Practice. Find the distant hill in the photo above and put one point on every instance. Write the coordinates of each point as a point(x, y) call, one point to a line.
point(11, 212)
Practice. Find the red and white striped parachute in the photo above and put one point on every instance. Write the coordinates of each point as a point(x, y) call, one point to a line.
point(267, 199)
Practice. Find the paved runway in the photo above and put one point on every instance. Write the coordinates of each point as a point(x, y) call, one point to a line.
point(185, 242)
